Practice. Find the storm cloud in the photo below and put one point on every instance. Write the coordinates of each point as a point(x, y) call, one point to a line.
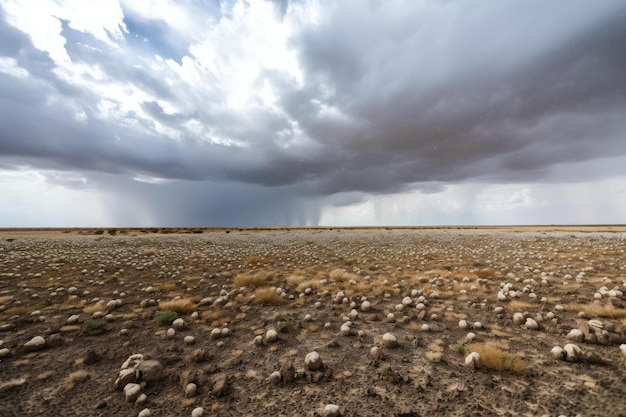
point(261, 113)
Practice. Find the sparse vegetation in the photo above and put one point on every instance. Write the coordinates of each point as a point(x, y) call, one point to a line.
point(165, 318)
point(267, 296)
point(94, 326)
point(182, 305)
point(493, 357)
point(255, 280)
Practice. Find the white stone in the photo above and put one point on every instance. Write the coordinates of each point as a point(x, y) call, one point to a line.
point(470, 336)
point(225, 332)
point(4, 352)
point(389, 340)
point(170, 333)
point(73, 319)
point(191, 389)
point(573, 353)
point(274, 377)
point(477, 325)
point(178, 324)
point(366, 306)
point(131, 392)
point(575, 335)
point(463, 324)
point(498, 310)
point(377, 353)
point(144, 413)
point(420, 306)
point(189, 340)
point(197, 412)
point(216, 333)
point(345, 330)
point(258, 340)
point(425, 328)
point(518, 318)
point(531, 324)
point(313, 361)
point(35, 343)
point(557, 352)
point(331, 410)
point(407, 301)
point(271, 336)
point(473, 360)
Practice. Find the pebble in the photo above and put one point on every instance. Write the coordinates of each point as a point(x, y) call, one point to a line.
point(170, 333)
point(573, 353)
point(331, 410)
point(557, 352)
point(144, 413)
point(462, 324)
point(389, 340)
point(189, 340)
point(376, 353)
point(518, 318)
point(575, 335)
point(312, 361)
point(271, 336)
point(35, 343)
point(366, 306)
point(197, 412)
point(178, 324)
point(191, 389)
point(473, 360)
point(531, 324)
point(131, 392)
point(4, 352)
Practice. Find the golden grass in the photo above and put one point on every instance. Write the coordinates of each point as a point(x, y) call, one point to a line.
point(93, 308)
point(600, 310)
point(493, 357)
point(518, 305)
point(255, 260)
point(165, 286)
point(435, 352)
point(256, 280)
point(485, 273)
point(17, 310)
point(5, 298)
point(452, 316)
point(267, 296)
point(183, 305)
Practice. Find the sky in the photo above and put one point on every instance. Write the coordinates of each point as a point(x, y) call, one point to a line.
point(136, 113)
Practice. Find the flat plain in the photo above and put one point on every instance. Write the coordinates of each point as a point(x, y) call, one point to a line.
point(505, 321)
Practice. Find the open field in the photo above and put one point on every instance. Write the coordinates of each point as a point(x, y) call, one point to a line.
point(255, 302)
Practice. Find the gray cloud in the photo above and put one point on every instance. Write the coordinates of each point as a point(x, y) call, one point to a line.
point(392, 100)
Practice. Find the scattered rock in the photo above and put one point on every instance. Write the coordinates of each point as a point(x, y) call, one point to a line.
point(271, 336)
point(390, 341)
point(331, 410)
point(473, 360)
point(189, 340)
point(575, 335)
point(131, 392)
point(274, 377)
point(220, 384)
point(150, 370)
point(36, 343)
point(558, 353)
point(573, 353)
point(197, 412)
point(312, 361)
point(191, 390)
point(144, 413)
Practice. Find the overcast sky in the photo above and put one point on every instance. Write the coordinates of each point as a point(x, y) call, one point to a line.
point(298, 112)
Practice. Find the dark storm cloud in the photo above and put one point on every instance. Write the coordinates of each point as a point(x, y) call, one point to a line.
point(392, 99)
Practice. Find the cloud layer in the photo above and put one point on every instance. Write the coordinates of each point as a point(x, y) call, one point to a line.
point(270, 112)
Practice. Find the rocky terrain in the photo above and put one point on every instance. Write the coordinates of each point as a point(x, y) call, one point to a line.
point(313, 322)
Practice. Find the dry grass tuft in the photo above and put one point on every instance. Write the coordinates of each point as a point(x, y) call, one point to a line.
point(435, 352)
point(256, 280)
point(599, 310)
point(493, 357)
point(267, 296)
point(517, 305)
point(93, 308)
point(17, 310)
point(255, 260)
point(486, 273)
point(183, 305)
point(165, 286)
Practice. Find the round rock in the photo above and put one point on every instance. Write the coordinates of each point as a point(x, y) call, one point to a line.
point(390, 341)
point(312, 361)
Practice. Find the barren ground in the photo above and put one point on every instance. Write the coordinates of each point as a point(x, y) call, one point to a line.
point(304, 283)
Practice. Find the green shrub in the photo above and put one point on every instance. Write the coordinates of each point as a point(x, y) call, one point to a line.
point(95, 326)
point(165, 318)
